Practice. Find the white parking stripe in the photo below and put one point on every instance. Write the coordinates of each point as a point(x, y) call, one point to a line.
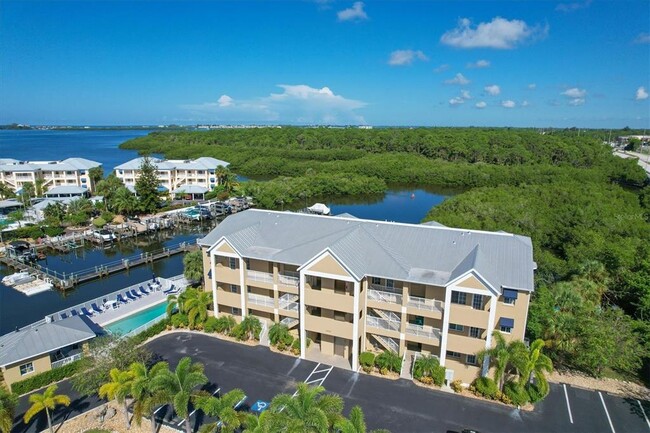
point(606, 412)
point(192, 413)
point(644, 415)
point(568, 406)
point(328, 373)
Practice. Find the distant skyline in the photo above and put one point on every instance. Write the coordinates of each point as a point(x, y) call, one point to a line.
point(432, 63)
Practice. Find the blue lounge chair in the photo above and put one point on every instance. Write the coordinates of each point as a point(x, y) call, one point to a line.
point(135, 293)
point(121, 300)
point(63, 316)
point(86, 312)
point(143, 291)
point(73, 312)
point(172, 289)
point(96, 309)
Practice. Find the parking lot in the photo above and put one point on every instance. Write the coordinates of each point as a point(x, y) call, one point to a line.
point(397, 405)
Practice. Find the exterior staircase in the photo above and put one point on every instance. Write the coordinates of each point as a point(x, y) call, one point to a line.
point(387, 342)
point(289, 322)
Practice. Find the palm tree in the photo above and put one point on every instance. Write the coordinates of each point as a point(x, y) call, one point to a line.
point(39, 187)
point(179, 387)
point(118, 389)
point(6, 192)
point(503, 356)
point(46, 401)
point(178, 302)
point(251, 326)
point(224, 409)
point(425, 366)
point(142, 389)
point(279, 333)
point(8, 403)
point(308, 411)
point(354, 423)
point(196, 306)
point(123, 201)
point(535, 363)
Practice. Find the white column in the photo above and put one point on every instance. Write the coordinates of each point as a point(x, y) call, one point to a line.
point(213, 269)
point(490, 328)
point(243, 287)
point(301, 317)
point(355, 327)
point(445, 326)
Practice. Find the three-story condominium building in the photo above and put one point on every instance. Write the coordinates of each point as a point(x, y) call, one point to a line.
point(65, 173)
point(195, 177)
point(352, 285)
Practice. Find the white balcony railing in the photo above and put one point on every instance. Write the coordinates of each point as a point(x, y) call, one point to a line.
point(378, 322)
point(388, 342)
point(289, 278)
point(261, 300)
point(423, 331)
point(425, 304)
point(289, 306)
point(384, 296)
point(68, 360)
point(289, 322)
point(262, 277)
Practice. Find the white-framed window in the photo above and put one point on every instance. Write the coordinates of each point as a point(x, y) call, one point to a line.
point(232, 263)
point(474, 332)
point(458, 297)
point(375, 280)
point(509, 301)
point(390, 284)
point(471, 359)
point(456, 327)
point(506, 329)
point(234, 288)
point(477, 302)
point(26, 368)
point(452, 354)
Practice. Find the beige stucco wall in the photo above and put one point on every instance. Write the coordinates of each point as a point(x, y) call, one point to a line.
point(225, 248)
point(41, 363)
point(466, 373)
point(516, 312)
point(328, 265)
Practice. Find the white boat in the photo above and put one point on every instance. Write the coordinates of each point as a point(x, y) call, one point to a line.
point(319, 208)
point(17, 278)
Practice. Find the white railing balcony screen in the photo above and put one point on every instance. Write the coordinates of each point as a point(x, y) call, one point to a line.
point(423, 331)
point(261, 300)
point(392, 344)
point(68, 360)
point(425, 304)
point(288, 321)
point(289, 278)
point(288, 297)
point(384, 296)
point(262, 277)
point(378, 322)
point(290, 306)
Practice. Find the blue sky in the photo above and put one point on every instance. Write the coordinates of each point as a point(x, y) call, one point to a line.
point(457, 63)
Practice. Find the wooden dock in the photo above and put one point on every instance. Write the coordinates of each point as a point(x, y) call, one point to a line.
point(67, 280)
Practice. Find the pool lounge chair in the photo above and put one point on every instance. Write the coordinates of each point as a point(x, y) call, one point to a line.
point(63, 316)
point(86, 312)
point(130, 296)
point(96, 309)
point(143, 291)
point(73, 312)
point(172, 289)
point(135, 293)
point(121, 300)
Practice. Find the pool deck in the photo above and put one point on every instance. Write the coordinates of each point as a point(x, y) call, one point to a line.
point(129, 309)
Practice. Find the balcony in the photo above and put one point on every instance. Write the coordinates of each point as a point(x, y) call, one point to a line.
point(468, 316)
point(387, 342)
point(288, 302)
point(228, 298)
point(380, 323)
point(328, 326)
point(68, 360)
point(384, 294)
point(423, 304)
point(464, 344)
point(423, 331)
point(264, 301)
point(260, 277)
point(330, 300)
point(288, 278)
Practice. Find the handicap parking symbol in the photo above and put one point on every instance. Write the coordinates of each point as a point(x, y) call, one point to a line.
point(259, 406)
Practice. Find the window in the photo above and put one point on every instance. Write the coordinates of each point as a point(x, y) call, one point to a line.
point(477, 302)
point(314, 282)
point(248, 262)
point(471, 359)
point(452, 354)
point(474, 332)
point(375, 280)
point(26, 368)
point(506, 329)
point(339, 287)
point(232, 262)
point(506, 325)
point(339, 315)
point(236, 311)
point(234, 288)
point(390, 284)
point(455, 327)
point(458, 297)
point(509, 301)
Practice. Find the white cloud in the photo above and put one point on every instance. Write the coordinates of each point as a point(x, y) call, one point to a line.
point(642, 38)
point(480, 105)
point(508, 104)
point(441, 68)
point(406, 57)
point(492, 90)
point(479, 64)
point(457, 100)
point(641, 94)
point(458, 79)
point(295, 104)
point(499, 33)
point(572, 7)
point(355, 13)
point(532, 86)
point(577, 101)
point(575, 92)
point(525, 104)
point(465, 94)
point(224, 101)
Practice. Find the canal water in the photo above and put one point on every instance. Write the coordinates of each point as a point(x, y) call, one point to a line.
point(402, 203)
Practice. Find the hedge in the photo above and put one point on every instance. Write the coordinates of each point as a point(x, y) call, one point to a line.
point(516, 393)
point(150, 332)
point(486, 387)
point(367, 359)
point(46, 378)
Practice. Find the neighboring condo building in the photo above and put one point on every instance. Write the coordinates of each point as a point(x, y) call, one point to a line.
point(196, 176)
point(68, 172)
point(352, 285)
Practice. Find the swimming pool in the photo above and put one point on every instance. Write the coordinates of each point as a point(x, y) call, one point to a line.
point(128, 324)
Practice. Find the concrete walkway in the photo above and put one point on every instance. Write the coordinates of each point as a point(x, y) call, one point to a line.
point(314, 354)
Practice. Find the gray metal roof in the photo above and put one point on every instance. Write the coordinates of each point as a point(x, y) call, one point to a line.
point(421, 253)
point(203, 163)
point(66, 189)
point(190, 189)
point(69, 164)
point(30, 342)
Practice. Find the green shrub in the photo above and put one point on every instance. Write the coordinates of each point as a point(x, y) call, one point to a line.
point(238, 332)
point(281, 346)
point(108, 216)
point(516, 393)
point(99, 222)
point(151, 331)
point(486, 387)
point(389, 360)
point(210, 324)
point(429, 366)
point(534, 393)
point(457, 385)
point(180, 320)
point(53, 231)
point(367, 359)
point(225, 324)
point(280, 333)
point(46, 378)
